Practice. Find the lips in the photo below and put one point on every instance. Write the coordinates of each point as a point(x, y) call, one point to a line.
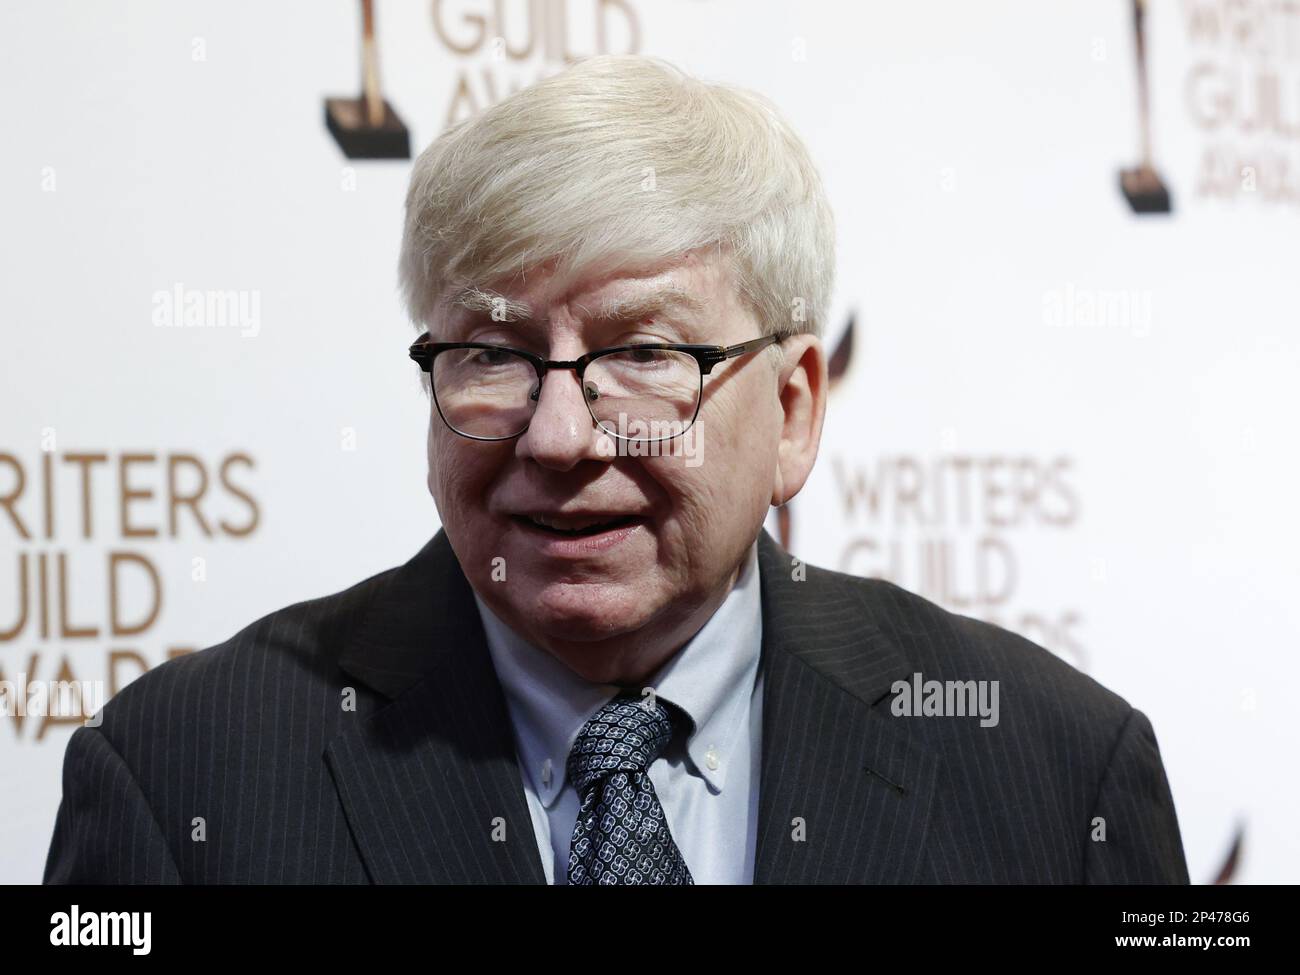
point(576, 524)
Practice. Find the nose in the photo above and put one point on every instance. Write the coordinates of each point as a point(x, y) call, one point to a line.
point(562, 432)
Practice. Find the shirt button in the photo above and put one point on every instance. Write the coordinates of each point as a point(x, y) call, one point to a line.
point(546, 773)
point(711, 759)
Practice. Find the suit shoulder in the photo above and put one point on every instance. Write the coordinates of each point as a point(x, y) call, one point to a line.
point(947, 645)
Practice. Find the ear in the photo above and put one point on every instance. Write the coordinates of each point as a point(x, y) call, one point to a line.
point(801, 389)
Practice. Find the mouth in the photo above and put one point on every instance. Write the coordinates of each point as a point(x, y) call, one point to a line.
point(576, 526)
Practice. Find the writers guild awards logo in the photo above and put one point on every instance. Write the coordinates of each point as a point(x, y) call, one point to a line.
point(85, 584)
point(367, 127)
point(1142, 185)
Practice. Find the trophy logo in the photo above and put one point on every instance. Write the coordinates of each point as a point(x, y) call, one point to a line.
point(367, 127)
point(1142, 186)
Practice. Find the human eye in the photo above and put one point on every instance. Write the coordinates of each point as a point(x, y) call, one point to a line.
point(648, 332)
point(494, 358)
point(484, 357)
point(646, 353)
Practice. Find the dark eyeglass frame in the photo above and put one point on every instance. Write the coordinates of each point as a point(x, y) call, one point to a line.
point(423, 351)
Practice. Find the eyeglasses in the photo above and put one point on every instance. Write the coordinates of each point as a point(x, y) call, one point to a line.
point(641, 393)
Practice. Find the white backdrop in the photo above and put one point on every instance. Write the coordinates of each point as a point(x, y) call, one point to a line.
point(1057, 414)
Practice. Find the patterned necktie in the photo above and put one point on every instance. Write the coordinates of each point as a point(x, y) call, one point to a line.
point(621, 836)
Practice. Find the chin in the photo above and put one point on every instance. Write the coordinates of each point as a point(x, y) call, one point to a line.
point(588, 612)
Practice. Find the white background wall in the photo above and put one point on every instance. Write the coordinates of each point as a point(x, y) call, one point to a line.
point(971, 152)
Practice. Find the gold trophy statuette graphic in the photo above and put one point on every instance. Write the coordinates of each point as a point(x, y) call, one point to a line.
point(1142, 186)
point(367, 127)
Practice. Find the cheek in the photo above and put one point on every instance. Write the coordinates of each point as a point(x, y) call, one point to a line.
point(727, 492)
point(746, 436)
point(739, 462)
point(458, 476)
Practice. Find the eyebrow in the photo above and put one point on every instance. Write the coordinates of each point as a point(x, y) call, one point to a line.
point(619, 308)
point(484, 302)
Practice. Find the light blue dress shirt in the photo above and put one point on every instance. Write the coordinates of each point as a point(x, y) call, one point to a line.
point(709, 793)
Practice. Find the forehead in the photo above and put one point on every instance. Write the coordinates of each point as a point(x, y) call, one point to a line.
point(692, 290)
point(626, 303)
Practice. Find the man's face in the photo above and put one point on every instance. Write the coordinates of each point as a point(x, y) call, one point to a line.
point(692, 517)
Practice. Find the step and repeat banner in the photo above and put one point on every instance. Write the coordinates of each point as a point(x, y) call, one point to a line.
point(1066, 335)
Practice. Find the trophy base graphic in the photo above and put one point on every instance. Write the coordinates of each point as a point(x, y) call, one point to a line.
point(347, 121)
point(1144, 190)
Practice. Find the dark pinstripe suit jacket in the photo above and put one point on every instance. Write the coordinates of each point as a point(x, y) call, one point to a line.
point(241, 763)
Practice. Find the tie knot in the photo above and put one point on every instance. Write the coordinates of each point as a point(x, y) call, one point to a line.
point(625, 735)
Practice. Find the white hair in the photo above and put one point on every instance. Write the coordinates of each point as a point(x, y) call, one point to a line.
point(623, 159)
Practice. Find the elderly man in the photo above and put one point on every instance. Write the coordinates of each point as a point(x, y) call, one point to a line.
point(601, 670)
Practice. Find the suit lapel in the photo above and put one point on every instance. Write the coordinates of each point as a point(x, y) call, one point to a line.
point(429, 783)
point(846, 789)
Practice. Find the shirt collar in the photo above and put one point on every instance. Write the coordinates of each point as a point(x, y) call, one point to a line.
point(711, 679)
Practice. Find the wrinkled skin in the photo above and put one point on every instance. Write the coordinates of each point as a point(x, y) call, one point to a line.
point(616, 616)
